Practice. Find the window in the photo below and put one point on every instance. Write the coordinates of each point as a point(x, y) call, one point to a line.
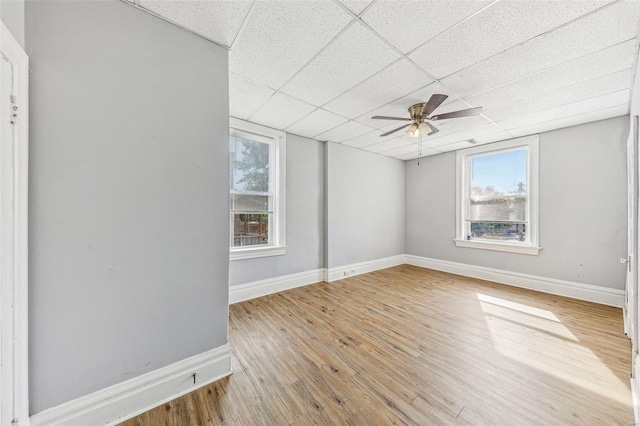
point(257, 190)
point(497, 196)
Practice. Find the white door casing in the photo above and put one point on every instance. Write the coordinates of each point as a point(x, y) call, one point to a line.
point(631, 291)
point(14, 395)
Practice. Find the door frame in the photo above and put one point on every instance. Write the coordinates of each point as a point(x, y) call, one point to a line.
point(631, 303)
point(14, 229)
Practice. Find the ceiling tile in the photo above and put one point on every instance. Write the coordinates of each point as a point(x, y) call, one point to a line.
point(480, 140)
point(576, 108)
point(455, 125)
point(315, 123)
point(600, 86)
point(607, 27)
point(245, 97)
point(499, 27)
point(351, 58)
point(587, 117)
point(282, 36)
point(218, 20)
point(588, 67)
point(426, 152)
point(387, 145)
point(438, 140)
point(408, 24)
point(367, 139)
point(356, 6)
point(456, 146)
point(395, 81)
point(281, 111)
point(403, 150)
point(343, 132)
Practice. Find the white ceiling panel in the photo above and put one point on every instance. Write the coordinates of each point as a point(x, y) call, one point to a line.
point(356, 6)
point(245, 96)
point(455, 125)
point(588, 117)
point(600, 86)
point(395, 81)
point(436, 141)
point(279, 37)
point(404, 150)
point(426, 152)
point(317, 122)
point(387, 145)
point(597, 64)
point(569, 110)
point(501, 26)
point(457, 146)
point(281, 111)
point(408, 24)
point(345, 131)
point(218, 20)
point(606, 27)
point(367, 139)
point(481, 140)
point(354, 56)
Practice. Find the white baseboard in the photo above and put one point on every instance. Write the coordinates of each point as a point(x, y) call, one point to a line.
point(635, 388)
point(128, 399)
point(346, 271)
point(591, 293)
point(242, 292)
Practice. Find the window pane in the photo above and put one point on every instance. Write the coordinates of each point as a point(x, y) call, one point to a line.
point(250, 203)
point(249, 163)
point(250, 229)
point(498, 231)
point(499, 187)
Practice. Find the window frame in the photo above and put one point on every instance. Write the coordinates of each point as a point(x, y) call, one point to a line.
point(463, 177)
point(277, 175)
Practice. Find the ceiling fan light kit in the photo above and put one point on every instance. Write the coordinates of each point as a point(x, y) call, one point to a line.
point(421, 122)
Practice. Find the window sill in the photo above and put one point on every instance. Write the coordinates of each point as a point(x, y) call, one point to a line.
point(485, 245)
point(253, 252)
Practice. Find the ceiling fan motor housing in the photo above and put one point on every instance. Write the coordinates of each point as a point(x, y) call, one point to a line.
point(415, 111)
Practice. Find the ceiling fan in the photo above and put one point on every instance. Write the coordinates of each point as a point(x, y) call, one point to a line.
point(421, 123)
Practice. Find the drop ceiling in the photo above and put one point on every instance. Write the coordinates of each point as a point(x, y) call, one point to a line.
point(322, 68)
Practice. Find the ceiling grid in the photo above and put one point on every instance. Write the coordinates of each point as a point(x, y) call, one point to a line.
point(323, 68)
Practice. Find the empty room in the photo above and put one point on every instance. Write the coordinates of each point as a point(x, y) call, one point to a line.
point(296, 212)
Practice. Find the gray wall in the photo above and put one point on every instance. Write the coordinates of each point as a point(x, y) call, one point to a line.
point(583, 201)
point(12, 15)
point(365, 206)
point(304, 217)
point(128, 196)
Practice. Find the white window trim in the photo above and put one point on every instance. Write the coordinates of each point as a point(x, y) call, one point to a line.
point(279, 246)
point(532, 247)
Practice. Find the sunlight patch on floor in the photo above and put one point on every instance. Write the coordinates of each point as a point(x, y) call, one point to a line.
point(537, 338)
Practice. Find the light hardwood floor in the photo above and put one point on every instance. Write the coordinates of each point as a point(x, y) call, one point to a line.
point(408, 345)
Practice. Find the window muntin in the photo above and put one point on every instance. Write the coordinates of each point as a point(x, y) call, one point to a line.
point(257, 190)
point(497, 196)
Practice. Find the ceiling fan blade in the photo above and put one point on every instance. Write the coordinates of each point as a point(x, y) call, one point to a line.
point(395, 130)
point(384, 117)
point(433, 103)
point(433, 131)
point(455, 114)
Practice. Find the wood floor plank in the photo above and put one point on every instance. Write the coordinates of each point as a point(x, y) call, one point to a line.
point(407, 345)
